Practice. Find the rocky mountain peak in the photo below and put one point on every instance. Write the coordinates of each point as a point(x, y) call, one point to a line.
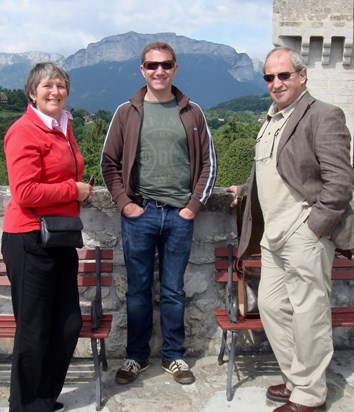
point(107, 73)
point(127, 46)
point(31, 58)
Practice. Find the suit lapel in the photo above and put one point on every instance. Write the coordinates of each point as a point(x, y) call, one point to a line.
point(294, 119)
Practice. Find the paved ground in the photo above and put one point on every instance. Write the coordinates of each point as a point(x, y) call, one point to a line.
point(155, 390)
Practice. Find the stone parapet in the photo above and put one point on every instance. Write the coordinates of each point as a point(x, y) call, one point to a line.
point(215, 226)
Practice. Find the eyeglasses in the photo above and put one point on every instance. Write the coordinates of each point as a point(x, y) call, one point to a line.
point(269, 78)
point(166, 65)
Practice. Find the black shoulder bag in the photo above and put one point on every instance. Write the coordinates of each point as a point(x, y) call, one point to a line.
point(61, 231)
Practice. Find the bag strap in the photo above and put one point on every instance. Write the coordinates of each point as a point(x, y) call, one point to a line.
point(96, 304)
point(35, 215)
point(229, 265)
point(98, 274)
point(76, 174)
point(231, 288)
point(239, 215)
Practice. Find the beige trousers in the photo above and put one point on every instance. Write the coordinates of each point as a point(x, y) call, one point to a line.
point(294, 302)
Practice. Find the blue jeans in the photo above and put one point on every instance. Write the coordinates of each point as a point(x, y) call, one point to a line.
point(164, 229)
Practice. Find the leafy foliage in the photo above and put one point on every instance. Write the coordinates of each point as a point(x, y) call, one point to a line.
point(16, 102)
point(10, 112)
point(236, 163)
point(235, 147)
point(246, 103)
point(90, 144)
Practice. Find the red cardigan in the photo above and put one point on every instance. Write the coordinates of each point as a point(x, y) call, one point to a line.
point(42, 173)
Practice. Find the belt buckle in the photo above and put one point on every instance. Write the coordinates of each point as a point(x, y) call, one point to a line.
point(159, 204)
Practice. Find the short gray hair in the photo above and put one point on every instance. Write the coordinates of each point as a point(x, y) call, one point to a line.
point(41, 71)
point(296, 59)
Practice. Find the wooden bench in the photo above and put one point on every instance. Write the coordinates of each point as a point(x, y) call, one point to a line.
point(92, 264)
point(343, 269)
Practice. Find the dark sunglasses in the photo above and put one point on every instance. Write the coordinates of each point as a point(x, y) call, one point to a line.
point(269, 78)
point(166, 65)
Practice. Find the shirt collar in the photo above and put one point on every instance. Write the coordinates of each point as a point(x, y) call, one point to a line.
point(287, 111)
point(51, 123)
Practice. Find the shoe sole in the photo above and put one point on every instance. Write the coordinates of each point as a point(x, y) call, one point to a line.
point(276, 399)
point(181, 381)
point(59, 407)
point(126, 382)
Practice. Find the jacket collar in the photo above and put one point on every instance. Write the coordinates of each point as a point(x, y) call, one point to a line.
point(138, 99)
point(301, 108)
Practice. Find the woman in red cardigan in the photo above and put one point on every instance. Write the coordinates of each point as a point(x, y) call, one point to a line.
point(45, 169)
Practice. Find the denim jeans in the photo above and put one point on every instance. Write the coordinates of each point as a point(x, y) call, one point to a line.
point(163, 229)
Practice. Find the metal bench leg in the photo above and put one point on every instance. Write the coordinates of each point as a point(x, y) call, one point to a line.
point(96, 362)
point(222, 347)
point(230, 366)
point(103, 355)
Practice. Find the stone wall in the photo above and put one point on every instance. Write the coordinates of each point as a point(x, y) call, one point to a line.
point(323, 31)
point(214, 226)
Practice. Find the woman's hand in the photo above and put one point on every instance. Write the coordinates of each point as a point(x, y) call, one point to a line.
point(85, 190)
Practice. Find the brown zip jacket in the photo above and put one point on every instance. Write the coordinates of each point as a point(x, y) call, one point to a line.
point(120, 147)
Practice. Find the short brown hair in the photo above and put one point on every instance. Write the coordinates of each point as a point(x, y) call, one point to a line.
point(158, 46)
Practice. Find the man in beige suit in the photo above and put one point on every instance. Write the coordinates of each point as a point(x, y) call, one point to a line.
point(297, 213)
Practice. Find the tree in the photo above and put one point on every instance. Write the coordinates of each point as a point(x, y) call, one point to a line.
point(235, 148)
point(236, 164)
point(90, 145)
point(231, 131)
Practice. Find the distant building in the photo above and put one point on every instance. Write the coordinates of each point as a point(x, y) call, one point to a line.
point(3, 98)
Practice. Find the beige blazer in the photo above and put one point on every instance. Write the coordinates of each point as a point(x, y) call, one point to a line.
point(313, 157)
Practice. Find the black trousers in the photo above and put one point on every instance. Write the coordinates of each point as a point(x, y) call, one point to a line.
point(45, 301)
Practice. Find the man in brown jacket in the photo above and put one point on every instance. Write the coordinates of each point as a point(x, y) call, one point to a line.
point(297, 213)
point(159, 164)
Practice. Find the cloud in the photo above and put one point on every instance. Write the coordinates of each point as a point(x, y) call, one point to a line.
point(69, 25)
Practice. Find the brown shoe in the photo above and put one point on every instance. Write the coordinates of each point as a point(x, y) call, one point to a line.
point(130, 371)
point(296, 407)
point(179, 370)
point(278, 393)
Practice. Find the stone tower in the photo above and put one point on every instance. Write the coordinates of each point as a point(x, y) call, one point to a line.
point(322, 30)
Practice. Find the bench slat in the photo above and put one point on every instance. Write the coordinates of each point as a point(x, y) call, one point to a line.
point(222, 277)
point(341, 317)
point(343, 268)
point(243, 324)
point(84, 267)
point(91, 254)
point(82, 280)
point(8, 327)
point(90, 267)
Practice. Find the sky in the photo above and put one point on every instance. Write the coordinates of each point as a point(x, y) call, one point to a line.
point(66, 26)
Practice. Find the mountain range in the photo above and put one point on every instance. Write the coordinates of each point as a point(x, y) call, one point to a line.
point(107, 73)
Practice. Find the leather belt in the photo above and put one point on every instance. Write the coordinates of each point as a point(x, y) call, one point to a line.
point(157, 203)
point(144, 201)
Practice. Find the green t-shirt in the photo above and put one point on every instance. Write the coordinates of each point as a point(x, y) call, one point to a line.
point(162, 162)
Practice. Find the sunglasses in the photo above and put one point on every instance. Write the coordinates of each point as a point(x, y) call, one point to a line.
point(269, 78)
point(166, 65)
